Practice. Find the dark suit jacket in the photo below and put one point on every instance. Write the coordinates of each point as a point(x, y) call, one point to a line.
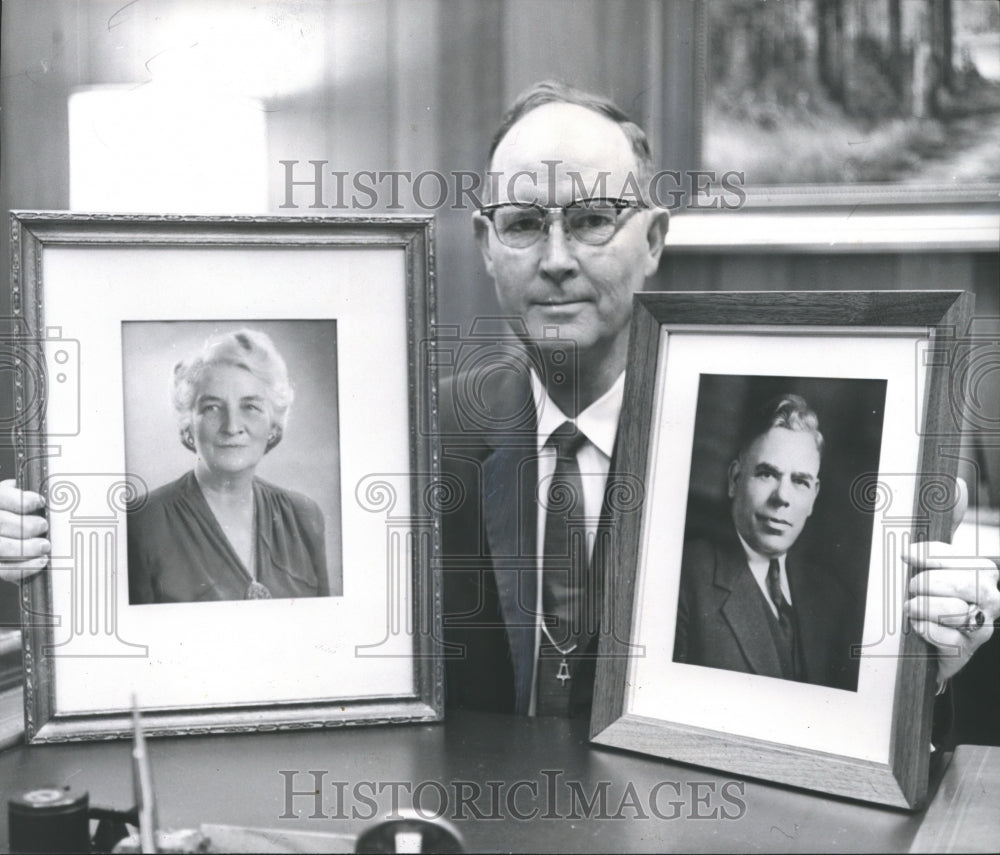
point(489, 455)
point(722, 617)
point(177, 553)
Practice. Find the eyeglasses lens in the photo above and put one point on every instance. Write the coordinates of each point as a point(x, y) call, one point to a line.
point(520, 226)
point(592, 223)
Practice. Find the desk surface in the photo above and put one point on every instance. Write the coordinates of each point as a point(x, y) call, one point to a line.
point(539, 769)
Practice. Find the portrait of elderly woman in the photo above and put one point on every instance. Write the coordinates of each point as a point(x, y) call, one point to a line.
point(220, 531)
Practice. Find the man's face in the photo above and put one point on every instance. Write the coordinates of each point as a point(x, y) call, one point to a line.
point(559, 286)
point(773, 486)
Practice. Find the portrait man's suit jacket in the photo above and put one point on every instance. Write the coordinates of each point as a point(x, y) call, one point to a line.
point(722, 617)
point(489, 463)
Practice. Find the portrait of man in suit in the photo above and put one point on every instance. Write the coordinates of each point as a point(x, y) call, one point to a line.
point(749, 602)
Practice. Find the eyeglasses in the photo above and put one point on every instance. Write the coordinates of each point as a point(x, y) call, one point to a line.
point(590, 221)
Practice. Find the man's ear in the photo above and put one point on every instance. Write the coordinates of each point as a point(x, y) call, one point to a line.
point(734, 475)
point(481, 226)
point(656, 233)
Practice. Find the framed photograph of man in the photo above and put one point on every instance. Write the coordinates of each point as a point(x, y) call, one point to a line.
point(791, 448)
point(231, 421)
point(763, 447)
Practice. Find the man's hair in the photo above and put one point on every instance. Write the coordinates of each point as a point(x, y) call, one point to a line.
point(554, 92)
point(787, 411)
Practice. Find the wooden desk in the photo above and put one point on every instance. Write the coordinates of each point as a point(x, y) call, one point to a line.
point(539, 768)
point(965, 813)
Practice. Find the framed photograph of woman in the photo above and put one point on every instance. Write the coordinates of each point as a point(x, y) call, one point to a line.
point(230, 419)
point(210, 524)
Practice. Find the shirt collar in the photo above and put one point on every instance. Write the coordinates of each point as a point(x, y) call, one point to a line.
point(598, 422)
point(759, 563)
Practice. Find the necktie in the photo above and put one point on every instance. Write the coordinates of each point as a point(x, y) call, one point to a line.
point(564, 566)
point(786, 631)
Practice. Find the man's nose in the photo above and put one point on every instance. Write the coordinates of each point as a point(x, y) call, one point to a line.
point(780, 494)
point(558, 261)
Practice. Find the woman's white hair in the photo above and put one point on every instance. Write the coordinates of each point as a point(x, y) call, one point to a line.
point(248, 349)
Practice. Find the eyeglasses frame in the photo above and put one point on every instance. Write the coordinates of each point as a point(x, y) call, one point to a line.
point(620, 205)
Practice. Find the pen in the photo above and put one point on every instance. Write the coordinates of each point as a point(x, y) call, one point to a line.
point(142, 781)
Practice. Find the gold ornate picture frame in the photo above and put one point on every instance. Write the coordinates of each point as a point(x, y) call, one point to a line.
point(105, 306)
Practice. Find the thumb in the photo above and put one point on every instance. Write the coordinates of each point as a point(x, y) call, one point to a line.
point(961, 504)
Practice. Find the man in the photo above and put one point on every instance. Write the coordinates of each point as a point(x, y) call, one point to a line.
point(745, 605)
point(569, 287)
point(566, 275)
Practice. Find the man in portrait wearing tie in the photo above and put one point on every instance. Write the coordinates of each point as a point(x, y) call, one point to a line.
point(747, 604)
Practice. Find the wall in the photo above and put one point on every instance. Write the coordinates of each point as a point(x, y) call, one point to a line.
point(383, 85)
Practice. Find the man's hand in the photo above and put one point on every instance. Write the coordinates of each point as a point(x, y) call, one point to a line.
point(954, 599)
point(24, 550)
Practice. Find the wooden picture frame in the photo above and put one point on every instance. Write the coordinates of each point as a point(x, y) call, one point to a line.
point(871, 742)
point(105, 306)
